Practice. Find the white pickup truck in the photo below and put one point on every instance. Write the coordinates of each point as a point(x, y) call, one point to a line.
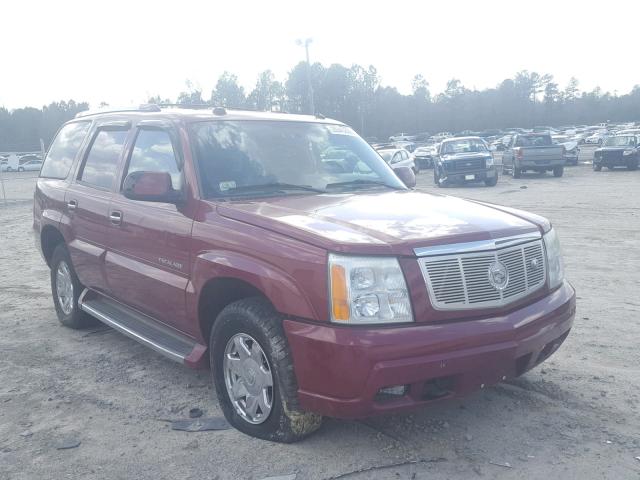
point(533, 152)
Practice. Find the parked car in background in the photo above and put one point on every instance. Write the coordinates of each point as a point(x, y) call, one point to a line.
point(423, 156)
point(407, 145)
point(571, 149)
point(30, 166)
point(398, 157)
point(533, 152)
point(618, 151)
point(500, 143)
point(28, 158)
point(596, 138)
point(223, 238)
point(462, 160)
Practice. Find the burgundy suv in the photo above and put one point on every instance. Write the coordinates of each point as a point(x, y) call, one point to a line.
point(285, 252)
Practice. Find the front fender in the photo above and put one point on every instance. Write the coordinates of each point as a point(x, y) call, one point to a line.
point(278, 286)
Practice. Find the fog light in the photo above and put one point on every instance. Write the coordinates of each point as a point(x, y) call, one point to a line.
point(396, 391)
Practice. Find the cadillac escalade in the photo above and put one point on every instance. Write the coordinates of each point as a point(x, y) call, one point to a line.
point(311, 284)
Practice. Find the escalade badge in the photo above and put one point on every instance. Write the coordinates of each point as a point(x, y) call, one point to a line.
point(498, 275)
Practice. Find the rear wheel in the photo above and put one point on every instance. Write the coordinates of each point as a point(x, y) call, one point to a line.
point(558, 171)
point(516, 172)
point(66, 288)
point(254, 376)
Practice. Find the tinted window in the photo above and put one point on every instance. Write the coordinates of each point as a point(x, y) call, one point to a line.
point(64, 149)
point(153, 152)
point(533, 141)
point(101, 165)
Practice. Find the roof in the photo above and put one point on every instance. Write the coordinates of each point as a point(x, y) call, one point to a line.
point(452, 139)
point(200, 114)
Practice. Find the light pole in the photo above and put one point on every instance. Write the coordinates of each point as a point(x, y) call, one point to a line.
point(305, 43)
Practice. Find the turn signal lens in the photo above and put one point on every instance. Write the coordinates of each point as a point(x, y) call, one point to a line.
point(339, 294)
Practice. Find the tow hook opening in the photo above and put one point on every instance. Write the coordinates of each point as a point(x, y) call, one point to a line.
point(438, 388)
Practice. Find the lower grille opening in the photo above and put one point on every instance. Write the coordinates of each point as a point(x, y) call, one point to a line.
point(438, 388)
point(522, 363)
point(551, 347)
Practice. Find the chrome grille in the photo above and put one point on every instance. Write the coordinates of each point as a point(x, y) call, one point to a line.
point(461, 281)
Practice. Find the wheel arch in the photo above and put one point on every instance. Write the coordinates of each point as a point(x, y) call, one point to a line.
point(221, 278)
point(50, 238)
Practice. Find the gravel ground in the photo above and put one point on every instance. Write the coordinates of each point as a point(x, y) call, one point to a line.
point(574, 417)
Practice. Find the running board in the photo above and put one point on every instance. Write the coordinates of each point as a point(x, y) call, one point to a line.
point(142, 328)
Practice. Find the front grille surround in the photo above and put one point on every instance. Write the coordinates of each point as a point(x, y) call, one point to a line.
point(460, 281)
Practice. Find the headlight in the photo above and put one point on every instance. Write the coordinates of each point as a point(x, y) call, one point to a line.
point(627, 152)
point(554, 258)
point(488, 162)
point(368, 290)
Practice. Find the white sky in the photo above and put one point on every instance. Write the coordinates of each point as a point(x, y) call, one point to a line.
point(123, 51)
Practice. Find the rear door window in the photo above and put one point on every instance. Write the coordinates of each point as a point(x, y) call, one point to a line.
point(101, 165)
point(64, 149)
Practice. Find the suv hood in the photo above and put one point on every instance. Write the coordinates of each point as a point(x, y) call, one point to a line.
point(381, 223)
point(465, 156)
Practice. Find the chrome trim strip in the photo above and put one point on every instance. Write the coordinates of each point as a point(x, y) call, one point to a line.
point(479, 246)
point(130, 333)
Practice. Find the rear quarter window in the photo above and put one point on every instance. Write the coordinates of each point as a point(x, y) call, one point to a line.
point(64, 149)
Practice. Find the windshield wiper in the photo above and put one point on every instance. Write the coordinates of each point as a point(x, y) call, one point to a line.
point(360, 183)
point(271, 188)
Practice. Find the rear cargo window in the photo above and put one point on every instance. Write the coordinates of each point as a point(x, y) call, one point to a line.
point(101, 165)
point(64, 149)
point(534, 141)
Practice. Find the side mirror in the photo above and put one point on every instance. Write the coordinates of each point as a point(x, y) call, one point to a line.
point(150, 187)
point(406, 175)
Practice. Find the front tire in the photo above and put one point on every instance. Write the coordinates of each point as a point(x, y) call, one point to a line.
point(20, 169)
point(632, 165)
point(254, 376)
point(558, 171)
point(491, 182)
point(597, 168)
point(516, 172)
point(66, 288)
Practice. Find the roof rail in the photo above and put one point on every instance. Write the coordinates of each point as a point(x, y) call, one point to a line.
point(194, 106)
point(145, 107)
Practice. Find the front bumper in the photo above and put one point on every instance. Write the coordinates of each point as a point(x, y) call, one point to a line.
point(340, 370)
point(463, 176)
point(618, 161)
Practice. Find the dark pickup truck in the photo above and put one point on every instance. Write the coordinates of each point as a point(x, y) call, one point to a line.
point(462, 160)
point(312, 284)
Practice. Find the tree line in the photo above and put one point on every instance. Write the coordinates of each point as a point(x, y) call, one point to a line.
point(355, 95)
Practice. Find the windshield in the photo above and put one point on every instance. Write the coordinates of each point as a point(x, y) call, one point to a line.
point(239, 157)
point(533, 141)
point(464, 146)
point(626, 141)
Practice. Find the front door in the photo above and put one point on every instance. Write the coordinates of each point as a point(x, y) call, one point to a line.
point(148, 264)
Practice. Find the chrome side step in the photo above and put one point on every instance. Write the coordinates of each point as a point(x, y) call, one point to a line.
point(138, 326)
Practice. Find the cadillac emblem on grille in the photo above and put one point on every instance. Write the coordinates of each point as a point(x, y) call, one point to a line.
point(498, 275)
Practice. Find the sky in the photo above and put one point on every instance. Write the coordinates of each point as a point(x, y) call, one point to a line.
point(122, 52)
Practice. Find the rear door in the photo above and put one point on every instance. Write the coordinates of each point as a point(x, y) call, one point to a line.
point(87, 202)
point(148, 262)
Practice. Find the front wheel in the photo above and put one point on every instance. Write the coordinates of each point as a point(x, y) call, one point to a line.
point(633, 165)
point(558, 171)
point(597, 168)
point(253, 373)
point(66, 288)
point(516, 172)
point(491, 182)
point(20, 169)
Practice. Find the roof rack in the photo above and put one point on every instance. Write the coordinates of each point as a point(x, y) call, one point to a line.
point(145, 107)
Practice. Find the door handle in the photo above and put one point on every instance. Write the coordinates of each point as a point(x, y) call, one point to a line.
point(115, 217)
point(72, 205)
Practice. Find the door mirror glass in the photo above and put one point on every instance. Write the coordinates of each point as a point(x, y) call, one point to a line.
point(150, 187)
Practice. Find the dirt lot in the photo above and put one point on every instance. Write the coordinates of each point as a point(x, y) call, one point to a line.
point(577, 416)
